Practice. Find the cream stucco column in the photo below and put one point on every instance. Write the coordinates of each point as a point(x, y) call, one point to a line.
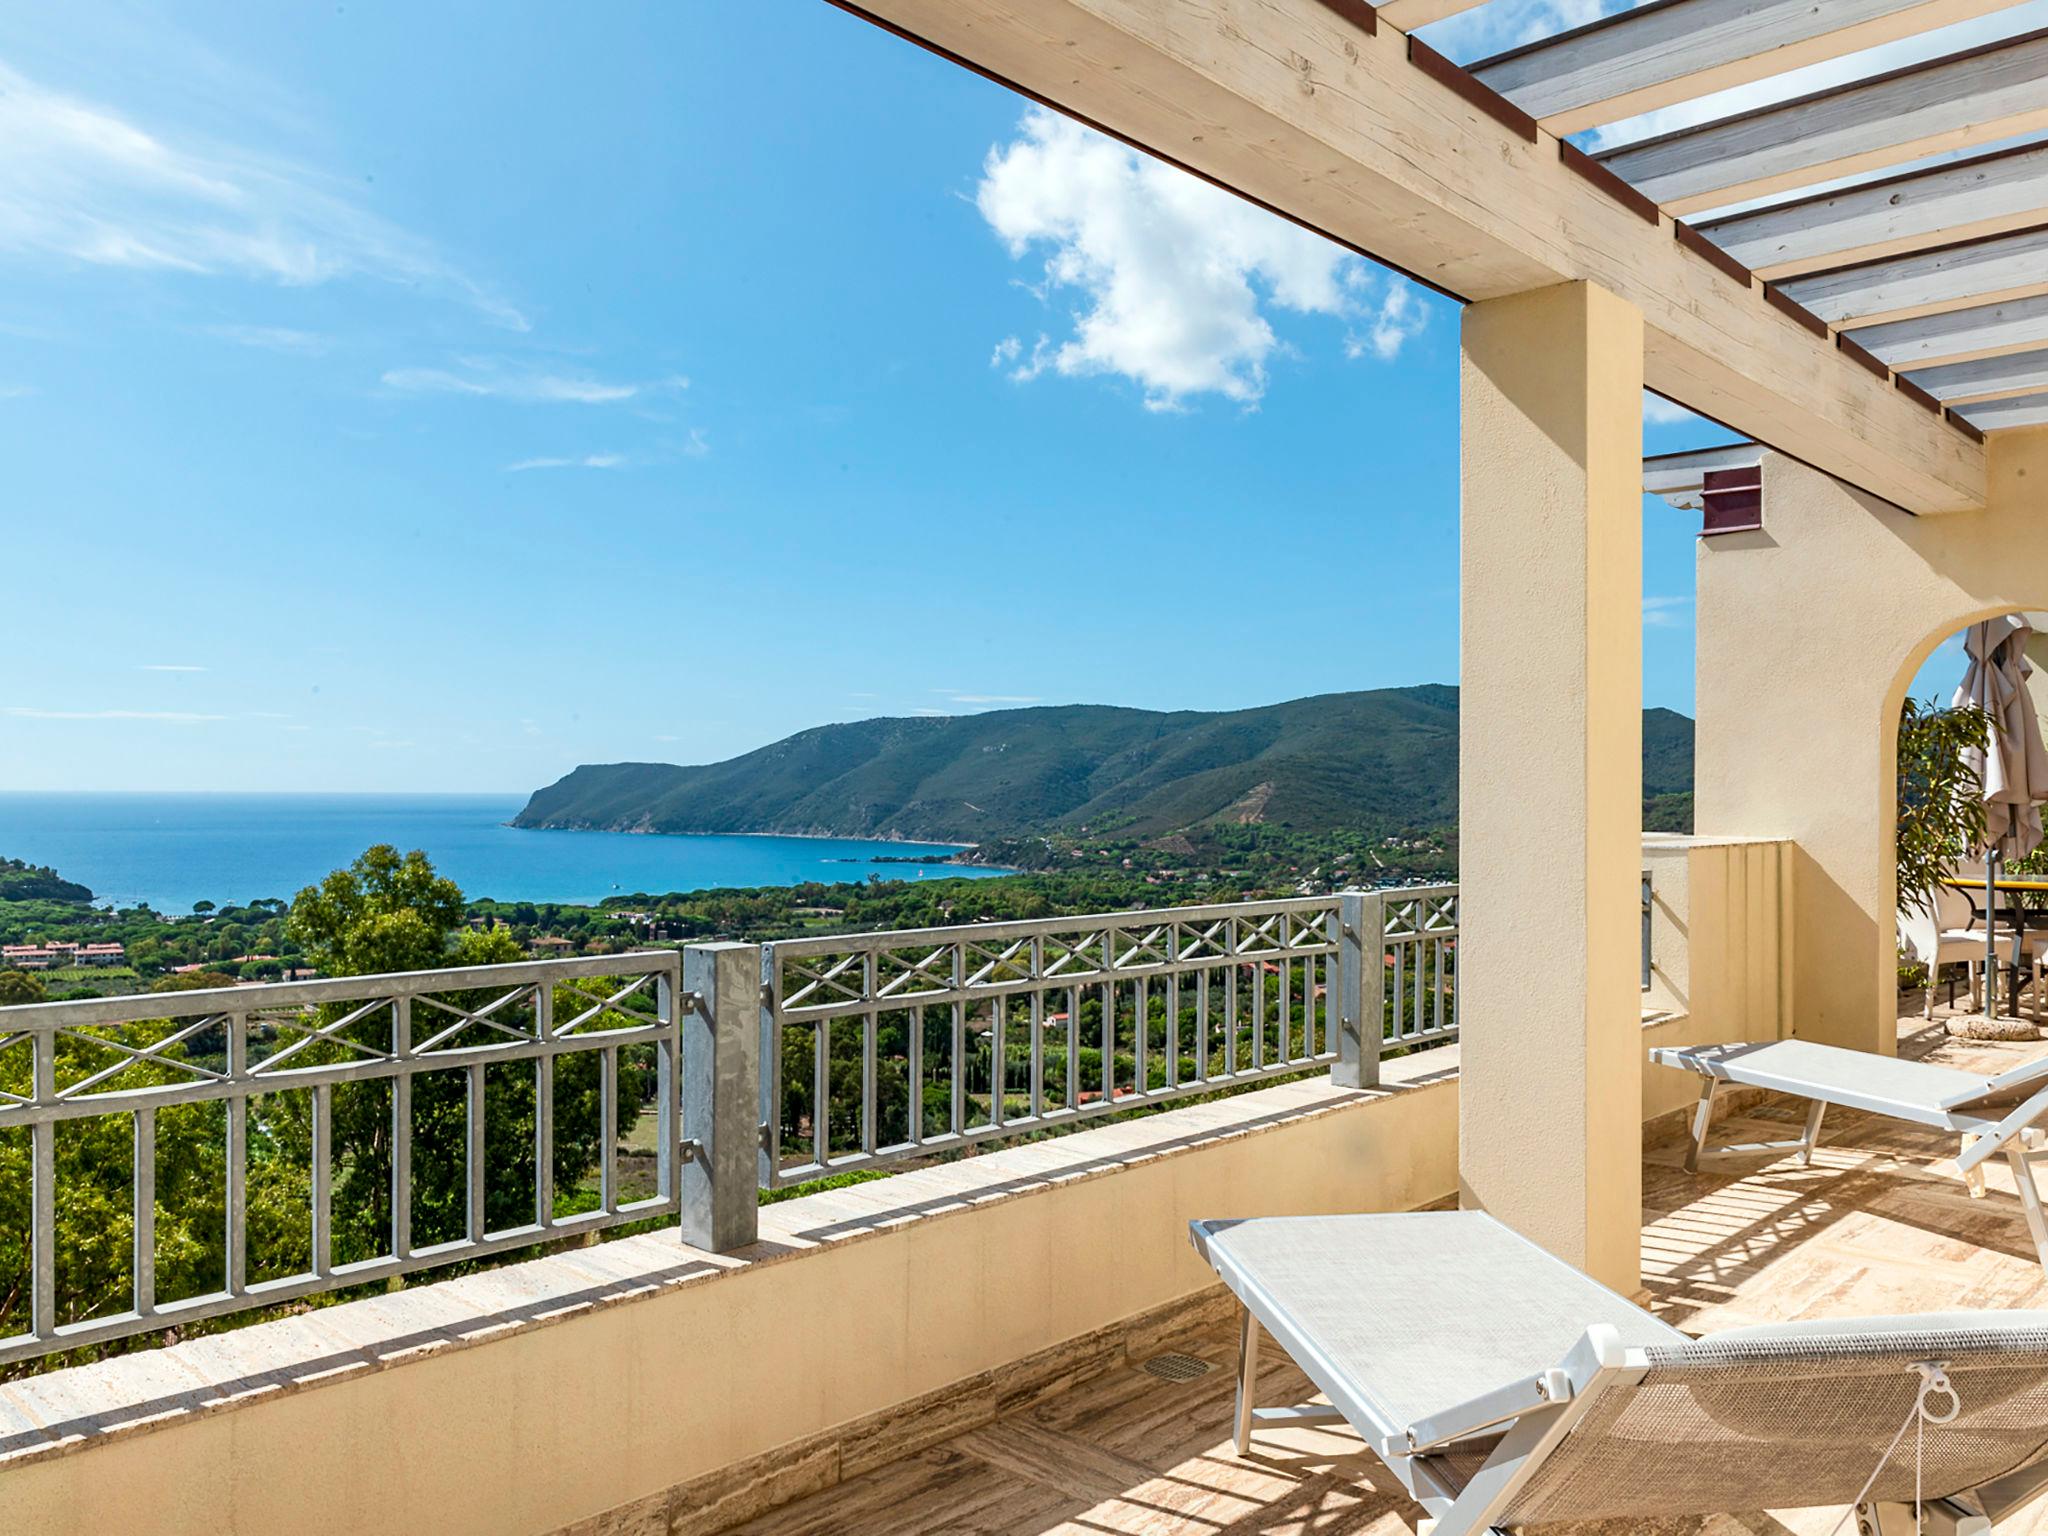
point(1550, 772)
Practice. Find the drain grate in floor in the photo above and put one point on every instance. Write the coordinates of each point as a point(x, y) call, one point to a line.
point(1173, 1367)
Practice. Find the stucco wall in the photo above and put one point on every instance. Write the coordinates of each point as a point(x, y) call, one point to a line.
point(1721, 950)
point(1810, 631)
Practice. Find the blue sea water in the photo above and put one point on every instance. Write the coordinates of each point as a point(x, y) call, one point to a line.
point(174, 850)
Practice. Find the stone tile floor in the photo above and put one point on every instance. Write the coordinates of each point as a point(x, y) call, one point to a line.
point(1875, 1226)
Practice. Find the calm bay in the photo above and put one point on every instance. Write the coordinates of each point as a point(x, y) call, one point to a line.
point(171, 850)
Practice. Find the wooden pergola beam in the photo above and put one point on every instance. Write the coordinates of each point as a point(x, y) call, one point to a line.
point(1670, 51)
point(1957, 102)
point(1309, 108)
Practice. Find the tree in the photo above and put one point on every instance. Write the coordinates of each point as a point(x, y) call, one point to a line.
point(201, 908)
point(18, 987)
point(383, 913)
point(1941, 799)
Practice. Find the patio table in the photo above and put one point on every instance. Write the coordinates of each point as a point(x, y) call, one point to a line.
point(2015, 912)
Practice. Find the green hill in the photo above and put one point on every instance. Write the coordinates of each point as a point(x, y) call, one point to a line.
point(1386, 759)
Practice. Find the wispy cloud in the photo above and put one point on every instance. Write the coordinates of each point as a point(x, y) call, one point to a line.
point(168, 666)
point(984, 699)
point(586, 461)
point(1665, 612)
point(492, 379)
point(272, 338)
point(696, 445)
point(83, 183)
point(161, 716)
point(16, 391)
point(1177, 276)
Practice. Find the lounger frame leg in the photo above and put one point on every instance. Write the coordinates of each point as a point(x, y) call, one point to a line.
point(1698, 1153)
point(1812, 1137)
point(1702, 1122)
point(2022, 1162)
point(1247, 1378)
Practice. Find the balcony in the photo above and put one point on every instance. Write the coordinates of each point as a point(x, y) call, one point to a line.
point(972, 1327)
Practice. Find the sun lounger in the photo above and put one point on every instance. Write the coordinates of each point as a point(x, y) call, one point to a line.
point(1504, 1388)
point(1992, 1114)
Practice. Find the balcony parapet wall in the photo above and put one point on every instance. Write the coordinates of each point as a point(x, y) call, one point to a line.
point(543, 1394)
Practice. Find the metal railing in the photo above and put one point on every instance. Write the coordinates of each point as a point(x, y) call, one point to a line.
point(301, 1137)
point(1419, 928)
point(346, 1119)
point(886, 1046)
point(1649, 908)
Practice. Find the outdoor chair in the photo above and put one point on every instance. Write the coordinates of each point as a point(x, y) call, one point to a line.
point(1947, 935)
point(1504, 1389)
point(1991, 1114)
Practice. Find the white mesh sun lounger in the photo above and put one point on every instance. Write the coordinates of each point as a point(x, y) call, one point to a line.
point(1504, 1389)
point(1994, 1114)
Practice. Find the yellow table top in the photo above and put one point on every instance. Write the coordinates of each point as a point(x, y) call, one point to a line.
point(2003, 885)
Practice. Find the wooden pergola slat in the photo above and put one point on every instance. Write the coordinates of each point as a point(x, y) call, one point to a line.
point(1679, 50)
point(1965, 199)
point(1410, 14)
point(1994, 415)
point(1929, 282)
point(1965, 99)
point(1994, 330)
point(1990, 378)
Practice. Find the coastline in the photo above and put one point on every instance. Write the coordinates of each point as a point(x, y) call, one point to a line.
point(815, 837)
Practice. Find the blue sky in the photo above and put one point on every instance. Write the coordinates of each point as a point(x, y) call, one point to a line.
point(415, 398)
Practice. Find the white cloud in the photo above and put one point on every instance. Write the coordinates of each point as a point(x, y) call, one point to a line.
point(16, 391)
point(1175, 275)
point(587, 461)
point(696, 445)
point(82, 183)
point(1664, 612)
point(162, 716)
point(1398, 320)
point(168, 666)
point(272, 338)
point(1659, 412)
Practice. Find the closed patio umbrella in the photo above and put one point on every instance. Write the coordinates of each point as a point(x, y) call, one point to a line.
point(2012, 767)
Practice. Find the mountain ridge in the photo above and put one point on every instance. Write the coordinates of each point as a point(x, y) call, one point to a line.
point(1383, 758)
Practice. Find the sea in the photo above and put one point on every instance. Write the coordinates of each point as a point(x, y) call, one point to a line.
point(171, 850)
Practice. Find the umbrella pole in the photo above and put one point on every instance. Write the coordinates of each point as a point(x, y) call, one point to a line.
point(1991, 933)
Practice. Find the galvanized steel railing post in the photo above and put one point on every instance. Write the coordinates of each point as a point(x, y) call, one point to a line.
point(1361, 988)
point(721, 1095)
